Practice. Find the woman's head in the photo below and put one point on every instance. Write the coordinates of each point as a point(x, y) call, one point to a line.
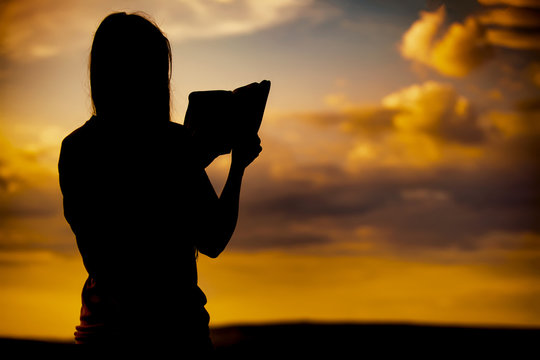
point(130, 69)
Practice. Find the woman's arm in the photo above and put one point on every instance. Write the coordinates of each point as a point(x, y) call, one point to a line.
point(221, 228)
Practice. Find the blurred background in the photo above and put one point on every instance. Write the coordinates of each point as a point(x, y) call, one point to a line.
point(398, 180)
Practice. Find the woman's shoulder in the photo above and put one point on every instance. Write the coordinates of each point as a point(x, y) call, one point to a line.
point(96, 133)
point(80, 134)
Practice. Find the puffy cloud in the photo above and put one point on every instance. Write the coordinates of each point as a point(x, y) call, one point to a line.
point(432, 108)
point(33, 29)
point(416, 127)
point(456, 52)
point(463, 47)
point(418, 41)
point(435, 109)
point(419, 126)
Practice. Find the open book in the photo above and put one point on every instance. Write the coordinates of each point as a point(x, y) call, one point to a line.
point(220, 118)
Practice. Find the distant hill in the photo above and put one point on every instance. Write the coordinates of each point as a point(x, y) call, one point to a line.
point(375, 341)
point(355, 341)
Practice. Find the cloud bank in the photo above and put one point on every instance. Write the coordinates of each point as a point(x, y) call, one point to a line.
point(421, 171)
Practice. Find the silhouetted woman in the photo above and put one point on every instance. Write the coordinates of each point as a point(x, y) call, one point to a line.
point(138, 199)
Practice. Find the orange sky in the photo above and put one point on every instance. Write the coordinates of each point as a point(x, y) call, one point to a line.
point(398, 176)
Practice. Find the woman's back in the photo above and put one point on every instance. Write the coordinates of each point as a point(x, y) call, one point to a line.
point(133, 199)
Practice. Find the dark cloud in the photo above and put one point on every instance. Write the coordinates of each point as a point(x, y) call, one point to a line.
point(529, 105)
point(29, 203)
point(321, 201)
point(48, 233)
point(439, 207)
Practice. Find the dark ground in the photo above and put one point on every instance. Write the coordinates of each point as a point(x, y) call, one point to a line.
point(354, 341)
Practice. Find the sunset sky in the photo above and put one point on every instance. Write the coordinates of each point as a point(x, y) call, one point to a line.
point(399, 176)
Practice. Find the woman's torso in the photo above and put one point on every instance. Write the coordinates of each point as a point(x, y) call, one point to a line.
point(131, 196)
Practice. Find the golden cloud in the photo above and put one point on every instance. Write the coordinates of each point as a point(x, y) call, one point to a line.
point(418, 126)
point(462, 48)
point(417, 42)
point(431, 124)
point(427, 107)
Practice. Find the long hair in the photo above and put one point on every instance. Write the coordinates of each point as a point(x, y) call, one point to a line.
point(130, 69)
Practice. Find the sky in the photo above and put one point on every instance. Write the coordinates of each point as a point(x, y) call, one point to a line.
point(397, 182)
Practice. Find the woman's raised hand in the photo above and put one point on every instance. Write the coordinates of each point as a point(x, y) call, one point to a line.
point(246, 151)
